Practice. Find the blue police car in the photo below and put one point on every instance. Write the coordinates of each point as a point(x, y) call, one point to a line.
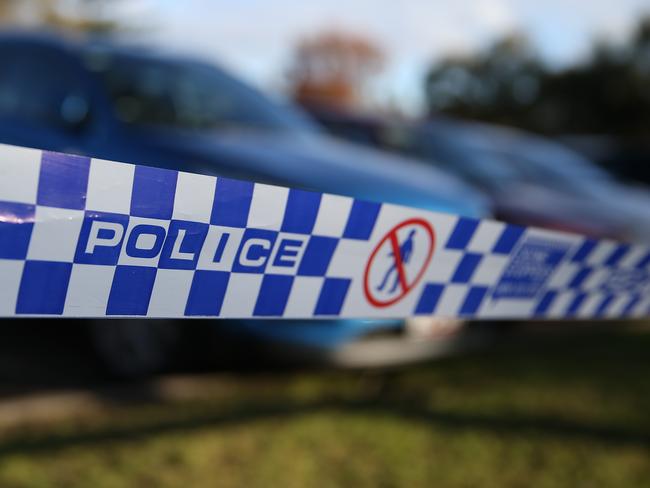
point(136, 105)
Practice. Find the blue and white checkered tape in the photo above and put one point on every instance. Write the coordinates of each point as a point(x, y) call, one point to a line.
point(83, 237)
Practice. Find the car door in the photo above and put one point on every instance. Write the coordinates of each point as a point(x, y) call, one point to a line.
point(43, 97)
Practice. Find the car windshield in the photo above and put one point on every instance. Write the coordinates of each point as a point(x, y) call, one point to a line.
point(186, 95)
point(510, 156)
point(555, 166)
point(456, 153)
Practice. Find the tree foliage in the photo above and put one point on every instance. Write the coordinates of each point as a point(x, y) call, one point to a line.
point(81, 16)
point(508, 83)
point(333, 68)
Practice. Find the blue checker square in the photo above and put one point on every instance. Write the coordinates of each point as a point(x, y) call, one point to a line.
point(183, 245)
point(101, 237)
point(462, 233)
point(131, 290)
point(318, 255)
point(615, 257)
point(466, 268)
point(545, 303)
point(15, 229)
point(604, 304)
point(508, 239)
point(232, 202)
point(254, 251)
point(207, 293)
point(153, 192)
point(575, 304)
point(273, 295)
point(580, 277)
point(473, 300)
point(429, 299)
point(43, 288)
point(332, 296)
point(584, 251)
point(361, 220)
point(644, 262)
point(631, 305)
point(301, 211)
point(63, 181)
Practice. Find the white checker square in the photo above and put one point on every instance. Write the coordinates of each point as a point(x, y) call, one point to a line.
point(304, 297)
point(220, 248)
point(486, 236)
point(143, 242)
point(561, 239)
point(603, 250)
point(590, 305)
point(490, 269)
point(633, 257)
point(332, 215)
point(194, 197)
point(88, 290)
point(19, 171)
point(451, 300)
point(267, 207)
point(596, 279)
point(506, 308)
point(563, 275)
point(349, 259)
point(443, 225)
point(241, 295)
point(443, 265)
point(615, 309)
point(561, 304)
point(55, 234)
point(109, 186)
point(11, 272)
point(641, 309)
point(170, 292)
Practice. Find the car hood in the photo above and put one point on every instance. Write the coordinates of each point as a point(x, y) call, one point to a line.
point(543, 207)
point(589, 201)
point(320, 163)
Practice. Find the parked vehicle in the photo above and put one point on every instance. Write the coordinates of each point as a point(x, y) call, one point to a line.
point(628, 160)
point(530, 179)
point(138, 106)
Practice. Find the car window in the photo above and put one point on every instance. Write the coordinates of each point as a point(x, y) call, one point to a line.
point(555, 167)
point(186, 95)
point(40, 86)
point(460, 155)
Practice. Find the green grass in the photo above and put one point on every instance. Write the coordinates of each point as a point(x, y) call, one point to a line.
point(552, 411)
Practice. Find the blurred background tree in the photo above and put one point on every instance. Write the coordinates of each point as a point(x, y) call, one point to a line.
point(334, 69)
point(508, 83)
point(80, 16)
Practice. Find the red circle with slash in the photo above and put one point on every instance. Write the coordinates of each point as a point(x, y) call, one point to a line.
point(405, 285)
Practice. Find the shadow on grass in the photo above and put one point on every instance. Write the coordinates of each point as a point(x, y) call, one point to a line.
point(499, 424)
point(608, 361)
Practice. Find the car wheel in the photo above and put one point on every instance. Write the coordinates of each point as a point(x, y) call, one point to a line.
point(135, 348)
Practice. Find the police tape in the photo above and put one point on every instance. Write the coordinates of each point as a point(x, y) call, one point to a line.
point(83, 237)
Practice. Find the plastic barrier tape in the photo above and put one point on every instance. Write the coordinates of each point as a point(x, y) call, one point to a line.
point(83, 237)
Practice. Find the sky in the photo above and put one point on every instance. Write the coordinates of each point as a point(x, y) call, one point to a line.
point(254, 38)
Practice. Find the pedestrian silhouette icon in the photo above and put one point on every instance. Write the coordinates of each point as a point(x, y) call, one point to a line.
point(398, 262)
point(405, 252)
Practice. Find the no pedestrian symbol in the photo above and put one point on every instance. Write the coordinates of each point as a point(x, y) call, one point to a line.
point(398, 262)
